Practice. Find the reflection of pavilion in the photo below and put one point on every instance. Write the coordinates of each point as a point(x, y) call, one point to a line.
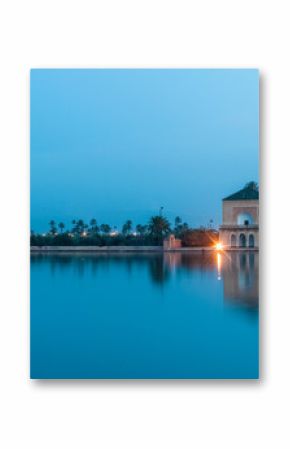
point(172, 260)
point(240, 272)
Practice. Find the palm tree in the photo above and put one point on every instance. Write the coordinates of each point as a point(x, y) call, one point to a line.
point(74, 228)
point(177, 221)
point(61, 226)
point(80, 226)
point(127, 227)
point(141, 229)
point(181, 230)
point(93, 223)
point(94, 227)
point(105, 228)
point(158, 227)
point(52, 227)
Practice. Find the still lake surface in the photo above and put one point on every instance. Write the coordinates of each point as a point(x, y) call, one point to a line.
point(172, 315)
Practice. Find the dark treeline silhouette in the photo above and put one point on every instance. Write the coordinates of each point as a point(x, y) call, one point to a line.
point(152, 233)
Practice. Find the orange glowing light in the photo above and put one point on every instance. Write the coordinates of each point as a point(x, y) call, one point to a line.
point(218, 246)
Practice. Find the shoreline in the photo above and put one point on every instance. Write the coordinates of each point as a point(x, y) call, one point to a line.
point(126, 249)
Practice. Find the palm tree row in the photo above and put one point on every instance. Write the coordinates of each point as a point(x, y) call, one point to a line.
point(157, 228)
point(152, 233)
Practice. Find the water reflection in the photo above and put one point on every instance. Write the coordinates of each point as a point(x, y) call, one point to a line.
point(219, 265)
point(238, 271)
point(172, 315)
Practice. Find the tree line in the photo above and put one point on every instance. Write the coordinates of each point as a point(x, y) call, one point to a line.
point(152, 233)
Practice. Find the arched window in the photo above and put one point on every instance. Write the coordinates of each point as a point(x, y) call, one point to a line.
point(251, 241)
point(233, 240)
point(244, 219)
point(242, 241)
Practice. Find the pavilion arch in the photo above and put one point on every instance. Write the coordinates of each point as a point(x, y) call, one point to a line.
point(251, 241)
point(233, 240)
point(244, 218)
point(242, 241)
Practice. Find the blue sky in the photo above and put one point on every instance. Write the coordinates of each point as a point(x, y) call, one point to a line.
point(118, 144)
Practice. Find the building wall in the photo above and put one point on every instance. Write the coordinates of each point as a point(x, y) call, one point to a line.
point(171, 243)
point(230, 226)
point(231, 210)
point(225, 236)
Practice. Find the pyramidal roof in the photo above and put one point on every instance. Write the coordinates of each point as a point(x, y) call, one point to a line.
point(249, 192)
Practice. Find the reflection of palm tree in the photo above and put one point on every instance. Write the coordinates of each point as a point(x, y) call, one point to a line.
point(158, 271)
point(158, 227)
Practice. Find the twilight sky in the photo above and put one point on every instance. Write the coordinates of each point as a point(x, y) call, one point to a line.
point(118, 144)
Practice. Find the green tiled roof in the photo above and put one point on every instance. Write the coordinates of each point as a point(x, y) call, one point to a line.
point(249, 192)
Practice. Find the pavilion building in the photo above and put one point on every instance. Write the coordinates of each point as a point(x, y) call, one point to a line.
point(240, 227)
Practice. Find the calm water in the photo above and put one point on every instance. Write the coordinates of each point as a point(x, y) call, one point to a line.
point(144, 316)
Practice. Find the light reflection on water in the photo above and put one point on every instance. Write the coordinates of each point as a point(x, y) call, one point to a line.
point(171, 315)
